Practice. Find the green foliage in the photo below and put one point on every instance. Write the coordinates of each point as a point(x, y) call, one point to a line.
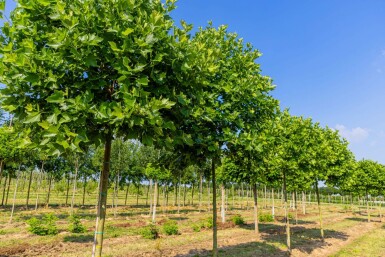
point(265, 217)
point(2, 232)
point(170, 227)
point(208, 223)
point(197, 227)
point(44, 226)
point(76, 226)
point(238, 220)
point(150, 232)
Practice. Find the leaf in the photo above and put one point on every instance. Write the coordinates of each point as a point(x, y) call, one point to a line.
point(52, 118)
point(127, 32)
point(91, 61)
point(33, 117)
point(142, 81)
point(114, 47)
point(56, 97)
point(147, 140)
point(55, 45)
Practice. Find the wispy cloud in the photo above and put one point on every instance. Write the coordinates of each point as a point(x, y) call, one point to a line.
point(354, 135)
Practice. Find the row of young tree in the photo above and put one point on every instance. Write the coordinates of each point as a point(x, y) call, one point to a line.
point(78, 78)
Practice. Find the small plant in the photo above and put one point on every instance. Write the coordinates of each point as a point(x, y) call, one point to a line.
point(209, 222)
point(290, 215)
point(2, 232)
point(197, 227)
point(44, 226)
point(76, 226)
point(150, 232)
point(238, 220)
point(170, 227)
point(266, 218)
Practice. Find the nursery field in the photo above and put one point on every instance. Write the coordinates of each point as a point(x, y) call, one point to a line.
point(347, 232)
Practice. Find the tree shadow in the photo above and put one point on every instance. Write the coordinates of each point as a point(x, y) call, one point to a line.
point(79, 238)
point(247, 249)
point(303, 239)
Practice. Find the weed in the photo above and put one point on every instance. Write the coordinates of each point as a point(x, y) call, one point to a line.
point(150, 232)
point(170, 227)
point(238, 220)
point(44, 226)
point(264, 217)
point(76, 226)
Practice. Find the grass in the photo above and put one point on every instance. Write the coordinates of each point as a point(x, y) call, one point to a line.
point(122, 233)
point(369, 245)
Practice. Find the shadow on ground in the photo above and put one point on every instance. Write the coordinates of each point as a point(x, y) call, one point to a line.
point(240, 250)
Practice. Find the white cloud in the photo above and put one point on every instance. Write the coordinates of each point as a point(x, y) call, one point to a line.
point(354, 135)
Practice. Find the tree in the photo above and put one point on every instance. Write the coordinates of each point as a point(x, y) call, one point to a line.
point(78, 85)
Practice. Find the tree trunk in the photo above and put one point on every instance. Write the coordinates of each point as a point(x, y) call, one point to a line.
point(296, 207)
point(303, 203)
point(84, 189)
point(367, 204)
point(137, 195)
point(256, 225)
point(155, 201)
point(192, 194)
point(265, 195)
point(273, 203)
point(179, 183)
point(319, 210)
point(223, 203)
point(150, 189)
point(14, 195)
point(208, 195)
point(29, 188)
point(103, 186)
point(49, 190)
point(74, 188)
point(200, 191)
point(68, 189)
point(4, 188)
point(288, 241)
point(215, 236)
point(184, 194)
point(125, 200)
point(39, 178)
point(8, 187)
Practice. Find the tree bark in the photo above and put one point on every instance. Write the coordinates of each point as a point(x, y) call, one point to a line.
point(8, 187)
point(68, 188)
point(49, 190)
point(367, 204)
point(84, 189)
point(4, 188)
point(273, 203)
point(155, 201)
point(319, 210)
point(74, 188)
point(288, 240)
point(200, 191)
point(29, 188)
point(215, 235)
point(256, 221)
point(125, 200)
point(103, 187)
point(14, 194)
point(223, 203)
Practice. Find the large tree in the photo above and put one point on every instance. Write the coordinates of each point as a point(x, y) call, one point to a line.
point(77, 75)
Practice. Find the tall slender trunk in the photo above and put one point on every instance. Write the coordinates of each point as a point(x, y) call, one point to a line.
point(265, 196)
point(367, 205)
point(84, 189)
point(208, 195)
point(288, 240)
point(200, 191)
point(256, 225)
point(319, 210)
point(74, 187)
point(184, 194)
point(150, 190)
point(9, 186)
point(215, 235)
point(125, 200)
point(296, 207)
point(192, 193)
point(273, 207)
point(223, 203)
point(103, 186)
point(179, 183)
point(68, 189)
point(137, 195)
point(4, 188)
point(1, 170)
point(49, 190)
point(39, 178)
point(155, 201)
point(14, 194)
point(29, 188)
point(116, 191)
point(303, 203)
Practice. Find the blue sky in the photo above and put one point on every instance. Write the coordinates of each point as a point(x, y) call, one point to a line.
point(326, 57)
